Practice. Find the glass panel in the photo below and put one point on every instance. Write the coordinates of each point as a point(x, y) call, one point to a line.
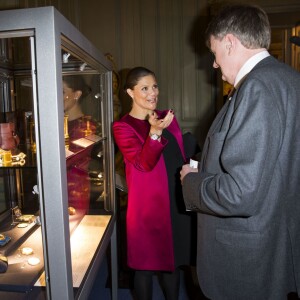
point(55, 169)
point(86, 144)
point(21, 248)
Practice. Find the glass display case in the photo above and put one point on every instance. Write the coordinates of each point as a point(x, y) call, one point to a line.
point(57, 189)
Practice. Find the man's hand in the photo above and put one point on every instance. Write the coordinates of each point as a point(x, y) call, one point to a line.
point(185, 170)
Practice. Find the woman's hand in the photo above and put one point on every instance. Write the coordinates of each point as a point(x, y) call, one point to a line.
point(157, 125)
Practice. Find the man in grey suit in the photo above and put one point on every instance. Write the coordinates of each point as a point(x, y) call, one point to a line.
point(247, 187)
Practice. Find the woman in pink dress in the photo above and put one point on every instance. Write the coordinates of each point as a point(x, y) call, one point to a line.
point(157, 225)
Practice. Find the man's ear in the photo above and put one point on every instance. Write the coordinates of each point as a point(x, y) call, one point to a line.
point(230, 40)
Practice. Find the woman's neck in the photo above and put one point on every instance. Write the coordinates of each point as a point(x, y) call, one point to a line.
point(140, 114)
point(74, 113)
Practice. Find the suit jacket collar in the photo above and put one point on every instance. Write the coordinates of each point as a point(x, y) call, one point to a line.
point(250, 64)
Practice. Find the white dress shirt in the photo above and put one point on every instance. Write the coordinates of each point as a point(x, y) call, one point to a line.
point(249, 65)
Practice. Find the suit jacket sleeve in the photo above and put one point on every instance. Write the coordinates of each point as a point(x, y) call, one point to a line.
point(239, 156)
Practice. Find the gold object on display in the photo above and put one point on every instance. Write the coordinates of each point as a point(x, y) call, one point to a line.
point(18, 159)
point(26, 218)
point(32, 137)
point(72, 211)
point(88, 130)
point(3, 258)
point(66, 131)
point(3, 263)
point(2, 237)
point(6, 157)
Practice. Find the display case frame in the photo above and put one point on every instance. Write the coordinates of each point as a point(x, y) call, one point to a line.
point(50, 30)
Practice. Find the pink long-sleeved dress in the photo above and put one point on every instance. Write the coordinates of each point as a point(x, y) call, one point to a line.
point(149, 220)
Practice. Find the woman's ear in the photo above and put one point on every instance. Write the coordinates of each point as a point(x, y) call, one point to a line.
point(77, 94)
point(129, 92)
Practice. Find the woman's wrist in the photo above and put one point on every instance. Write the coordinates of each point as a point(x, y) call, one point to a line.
point(154, 136)
point(155, 131)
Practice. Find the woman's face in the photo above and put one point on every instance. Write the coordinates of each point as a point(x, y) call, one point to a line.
point(144, 94)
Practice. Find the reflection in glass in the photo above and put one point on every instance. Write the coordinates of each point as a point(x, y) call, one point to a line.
point(19, 207)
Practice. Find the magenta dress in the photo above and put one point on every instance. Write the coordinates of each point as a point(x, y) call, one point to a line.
point(148, 219)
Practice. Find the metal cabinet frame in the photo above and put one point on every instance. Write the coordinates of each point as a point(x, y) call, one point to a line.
point(48, 26)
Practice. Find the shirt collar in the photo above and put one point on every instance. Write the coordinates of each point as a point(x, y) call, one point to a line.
point(250, 64)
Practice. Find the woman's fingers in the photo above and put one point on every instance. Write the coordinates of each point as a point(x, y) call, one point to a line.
point(161, 123)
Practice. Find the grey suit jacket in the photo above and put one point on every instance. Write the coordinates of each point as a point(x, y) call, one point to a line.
point(247, 190)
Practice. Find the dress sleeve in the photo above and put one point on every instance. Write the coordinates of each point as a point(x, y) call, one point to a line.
point(143, 154)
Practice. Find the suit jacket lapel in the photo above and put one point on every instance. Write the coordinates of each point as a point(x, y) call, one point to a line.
point(223, 118)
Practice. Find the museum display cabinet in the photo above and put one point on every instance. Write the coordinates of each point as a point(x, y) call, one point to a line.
point(57, 189)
